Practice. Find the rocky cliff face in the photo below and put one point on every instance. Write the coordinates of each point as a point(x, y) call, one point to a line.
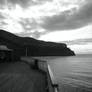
point(33, 47)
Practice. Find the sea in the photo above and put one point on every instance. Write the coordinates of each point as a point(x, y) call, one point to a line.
point(72, 73)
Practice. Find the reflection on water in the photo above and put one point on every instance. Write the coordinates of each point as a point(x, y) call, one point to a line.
point(73, 74)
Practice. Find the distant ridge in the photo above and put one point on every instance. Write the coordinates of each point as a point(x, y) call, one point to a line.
point(34, 47)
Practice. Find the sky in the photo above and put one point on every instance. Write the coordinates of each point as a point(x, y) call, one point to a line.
point(64, 21)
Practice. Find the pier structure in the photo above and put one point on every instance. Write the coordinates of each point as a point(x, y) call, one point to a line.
point(52, 85)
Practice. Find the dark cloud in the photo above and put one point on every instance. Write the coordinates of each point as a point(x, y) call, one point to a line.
point(28, 24)
point(2, 16)
point(41, 1)
point(23, 3)
point(35, 34)
point(25, 22)
point(2, 2)
point(64, 21)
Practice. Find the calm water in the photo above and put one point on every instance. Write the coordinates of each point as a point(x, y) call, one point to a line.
point(73, 74)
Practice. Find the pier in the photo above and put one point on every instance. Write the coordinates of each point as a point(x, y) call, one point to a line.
point(52, 85)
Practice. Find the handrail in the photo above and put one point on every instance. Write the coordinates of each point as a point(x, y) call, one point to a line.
point(44, 66)
point(52, 85)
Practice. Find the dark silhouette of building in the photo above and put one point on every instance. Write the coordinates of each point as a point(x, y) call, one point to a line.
point(6, 54)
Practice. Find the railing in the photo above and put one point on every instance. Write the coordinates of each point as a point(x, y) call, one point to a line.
point(53, 83)
point(52, 86)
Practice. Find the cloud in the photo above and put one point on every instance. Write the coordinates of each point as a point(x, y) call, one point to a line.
point(50, 15)
point(11, 26)
point(22, 3)
point(65, 20)
point(58, 36)
point(2, 2)
point(82, 49)
point(78, 41)
point(1, 16)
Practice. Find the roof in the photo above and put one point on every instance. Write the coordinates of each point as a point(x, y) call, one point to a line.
point(4, 47)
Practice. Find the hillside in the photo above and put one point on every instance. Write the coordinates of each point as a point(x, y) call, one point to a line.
point(34, 47)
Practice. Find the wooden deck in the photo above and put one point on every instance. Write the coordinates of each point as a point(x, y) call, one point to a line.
point(19, 77)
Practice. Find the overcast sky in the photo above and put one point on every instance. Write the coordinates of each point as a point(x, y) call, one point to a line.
point(68, 21)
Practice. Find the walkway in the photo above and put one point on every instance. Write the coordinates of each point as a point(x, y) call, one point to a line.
point(19, 77)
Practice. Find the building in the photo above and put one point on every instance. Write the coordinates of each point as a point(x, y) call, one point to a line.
point(6, 54)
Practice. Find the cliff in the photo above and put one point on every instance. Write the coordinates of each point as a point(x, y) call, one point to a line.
point(33, 47)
